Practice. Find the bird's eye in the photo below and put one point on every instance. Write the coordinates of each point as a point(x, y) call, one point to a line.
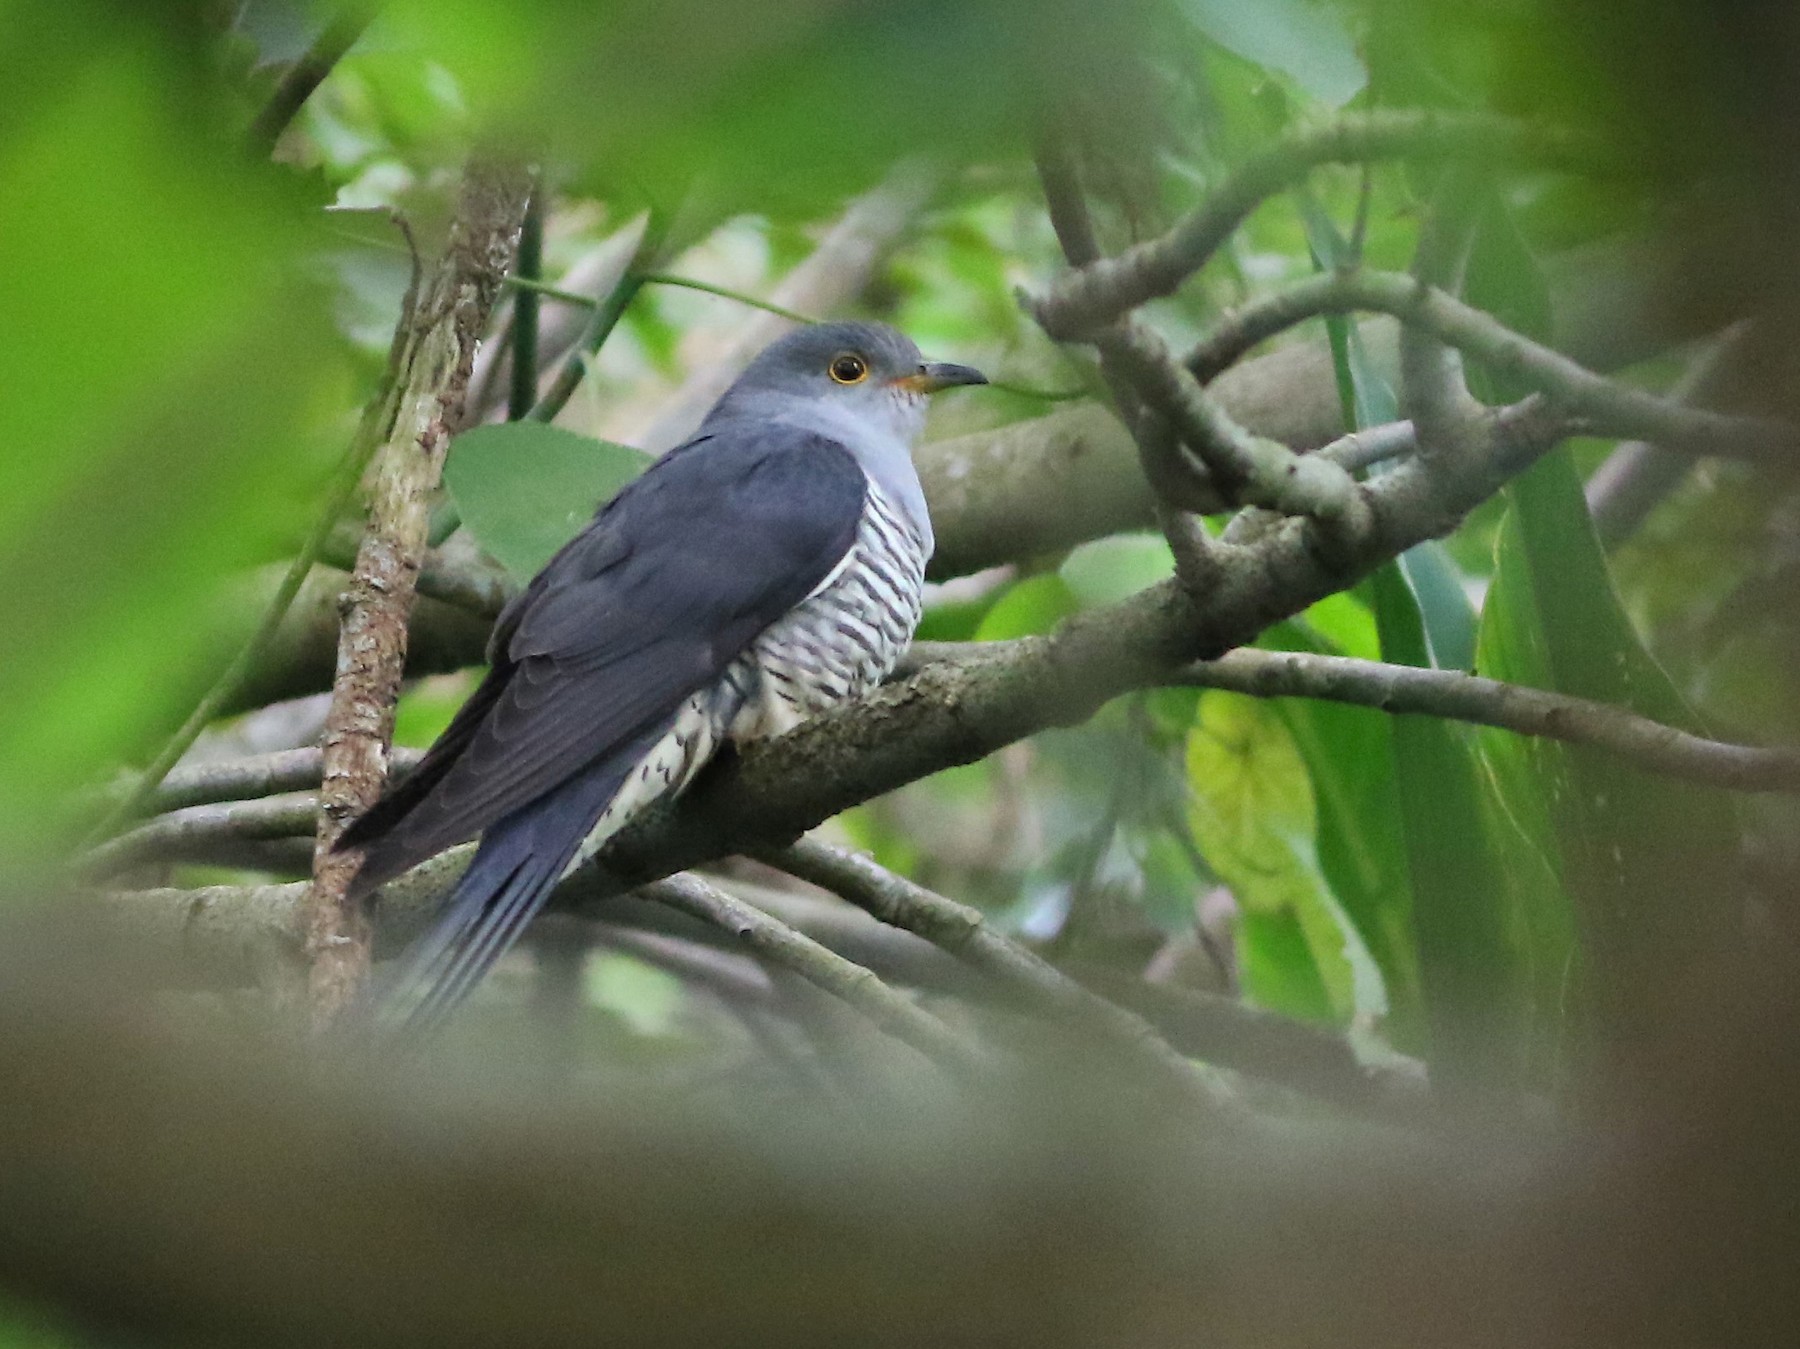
point(848, 368)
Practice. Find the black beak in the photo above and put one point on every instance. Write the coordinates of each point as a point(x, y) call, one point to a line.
point(935, 375)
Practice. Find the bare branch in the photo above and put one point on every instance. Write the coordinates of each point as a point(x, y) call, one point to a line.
point(1646, 744)
point(1434, 394)
point(374, 425)
point(1247, 468)
point(186, 835)
point(1101, 293)
point(440, 335)
point(1639, 474)
point(963, 932)
point(1613, 408)
point(1171, 474)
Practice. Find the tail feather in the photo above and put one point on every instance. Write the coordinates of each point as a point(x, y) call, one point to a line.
point(517, 865)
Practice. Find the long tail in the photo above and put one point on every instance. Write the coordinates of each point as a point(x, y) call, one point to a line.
point(516, 867)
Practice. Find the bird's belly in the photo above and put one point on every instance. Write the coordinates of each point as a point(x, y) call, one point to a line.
point(836, 644)
point(842, 640)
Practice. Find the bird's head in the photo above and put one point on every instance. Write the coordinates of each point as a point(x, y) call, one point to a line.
point(863, 374)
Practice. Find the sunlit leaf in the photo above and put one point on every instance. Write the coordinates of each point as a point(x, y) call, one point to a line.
point(524, 489)
point(1252, 814)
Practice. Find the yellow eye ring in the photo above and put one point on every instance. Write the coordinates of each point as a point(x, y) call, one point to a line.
point(848, 368)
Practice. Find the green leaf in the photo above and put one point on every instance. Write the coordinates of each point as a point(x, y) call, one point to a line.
point(1305, 42)
point(146, 456)
point(1108, 570)
point(1642, 857)
point(1252, 814)
point(1029, 608)
point(1461, 910)
point(1350, 759)
point(524, 489)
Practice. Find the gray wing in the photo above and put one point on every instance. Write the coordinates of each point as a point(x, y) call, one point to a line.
point(672, 580)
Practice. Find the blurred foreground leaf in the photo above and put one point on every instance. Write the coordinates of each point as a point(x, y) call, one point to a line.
point(1306, 42)
point(170, 408)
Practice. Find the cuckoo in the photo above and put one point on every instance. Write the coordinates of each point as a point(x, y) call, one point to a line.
point(768, 568)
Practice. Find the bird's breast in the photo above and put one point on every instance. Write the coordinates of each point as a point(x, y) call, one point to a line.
point(842, 640)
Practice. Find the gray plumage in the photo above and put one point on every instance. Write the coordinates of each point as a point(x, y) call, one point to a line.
point(767, 569)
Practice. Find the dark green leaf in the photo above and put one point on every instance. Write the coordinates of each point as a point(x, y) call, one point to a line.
point(1643, 857)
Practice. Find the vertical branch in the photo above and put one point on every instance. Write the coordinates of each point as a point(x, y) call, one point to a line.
point(1434, 395)
point(523, 392)
point(606, 317)
point(1159, 448)
point(439, 332)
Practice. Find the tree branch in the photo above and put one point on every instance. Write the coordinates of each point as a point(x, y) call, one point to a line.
point(1613, 408)
point(963, 932)
point(822, 967)
point(1248, 469)
point(372, 428)
point(1100, 294)
point(1646, 744)
point(440, 335)
point(1638, 475)
point(1171, 474)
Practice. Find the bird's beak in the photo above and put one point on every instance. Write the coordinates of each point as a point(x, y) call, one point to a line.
point(935, 375)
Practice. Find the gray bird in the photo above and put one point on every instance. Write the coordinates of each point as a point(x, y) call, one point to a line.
point(770, 567)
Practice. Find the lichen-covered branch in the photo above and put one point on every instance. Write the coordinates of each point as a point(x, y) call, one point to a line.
point(441, 329)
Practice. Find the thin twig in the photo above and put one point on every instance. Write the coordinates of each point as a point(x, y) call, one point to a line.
point(372, 429)
point(1249, 469)
point(1434, 395)
point(187, 834)
point(607, 314)
point(663, 279)
point(1171, 474)
point(854, 985)
point(307, 73)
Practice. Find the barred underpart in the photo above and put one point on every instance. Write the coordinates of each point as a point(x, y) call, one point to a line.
point(837, 644)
